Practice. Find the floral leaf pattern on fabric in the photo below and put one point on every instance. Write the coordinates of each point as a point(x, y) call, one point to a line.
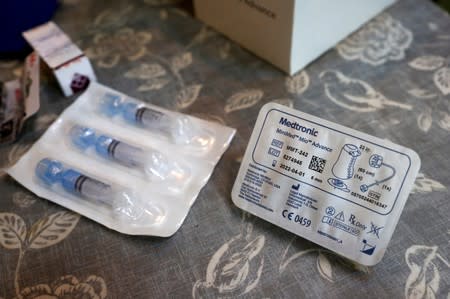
point(355, 94)
point(441, 79)
point(45, 232)
point(425, 120)
point(202, 35)
point(418, 259)
point(13, 231)
point(126, 43)
point(52, 229)
point(93, 287)
point(188, 95)
point(153, 74)
point(109, 18)
point(286, 102)
point(424, 184)
point(424, 278)
point(323, 263)
point(381, 40)
point(422, 93)
point(243, 99)
point(153, 84)
point(23, 200)
point(427, 63)
point(181, 61)
point(441, 76)
point(444, 120)
point(286, 260)
point(162, 71)
point(235, 268)
point(298, 83)
point(324, 267)
point(146, 71)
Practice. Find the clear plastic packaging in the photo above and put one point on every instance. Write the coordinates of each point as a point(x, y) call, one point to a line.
point(152, 162)
point(180, 129)
point(136, 176)
point(123, 203)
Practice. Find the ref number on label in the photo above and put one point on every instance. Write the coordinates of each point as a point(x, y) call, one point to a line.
point(291, 216)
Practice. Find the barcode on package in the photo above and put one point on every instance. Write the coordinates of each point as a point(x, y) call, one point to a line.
point(317, 164)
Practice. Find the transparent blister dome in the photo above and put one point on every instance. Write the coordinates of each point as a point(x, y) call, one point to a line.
point(124, 204)
point(131, 166)
point(156, 165)
point(178, 128)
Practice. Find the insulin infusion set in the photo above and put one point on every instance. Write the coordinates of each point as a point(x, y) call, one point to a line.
point(335, 186)
point(138, 168)
point(129, 165)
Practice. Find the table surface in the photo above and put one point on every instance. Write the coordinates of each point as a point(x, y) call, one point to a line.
point(397, 66)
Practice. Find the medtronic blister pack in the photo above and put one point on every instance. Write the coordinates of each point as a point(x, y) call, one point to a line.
point(340, 188)
point(131, 166)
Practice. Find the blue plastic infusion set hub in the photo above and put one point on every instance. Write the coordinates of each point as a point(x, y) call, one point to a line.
point(108, 147)
point(111, 104)
point(82, 137)
point(52, 172)
point(49, 171)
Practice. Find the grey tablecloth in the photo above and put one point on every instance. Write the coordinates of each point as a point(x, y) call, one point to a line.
point(397, 66)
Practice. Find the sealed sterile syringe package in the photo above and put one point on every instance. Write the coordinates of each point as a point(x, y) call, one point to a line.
point(131, 166)
point(340, 188)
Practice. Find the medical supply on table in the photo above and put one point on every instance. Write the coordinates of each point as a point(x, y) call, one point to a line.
point(180, 128)
point(340, 188)
point(120, 201)
point(152, 162)
point(129, 178)
point(52, 172)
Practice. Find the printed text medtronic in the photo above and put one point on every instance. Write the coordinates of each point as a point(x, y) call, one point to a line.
point(298, 127)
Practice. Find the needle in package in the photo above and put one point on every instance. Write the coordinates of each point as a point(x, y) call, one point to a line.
point(54, 175)
point(129, 165)
point(180, 129)
point(151, 161)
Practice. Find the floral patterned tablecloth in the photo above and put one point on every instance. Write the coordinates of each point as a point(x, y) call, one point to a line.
point(390, 79)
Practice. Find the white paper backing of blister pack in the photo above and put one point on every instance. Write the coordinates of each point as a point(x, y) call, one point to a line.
point(340, 188)
point(174, 205)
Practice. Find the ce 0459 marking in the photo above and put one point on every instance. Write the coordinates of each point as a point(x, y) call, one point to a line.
point(296, 218)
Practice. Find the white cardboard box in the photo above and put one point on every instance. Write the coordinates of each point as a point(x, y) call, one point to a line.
point(69, 64)
point(288, 33)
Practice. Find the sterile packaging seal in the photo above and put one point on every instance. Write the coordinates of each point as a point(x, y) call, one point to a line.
point(340, 188)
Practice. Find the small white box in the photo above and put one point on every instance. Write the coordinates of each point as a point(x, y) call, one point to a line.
point(71, 67)
point(289, 33)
